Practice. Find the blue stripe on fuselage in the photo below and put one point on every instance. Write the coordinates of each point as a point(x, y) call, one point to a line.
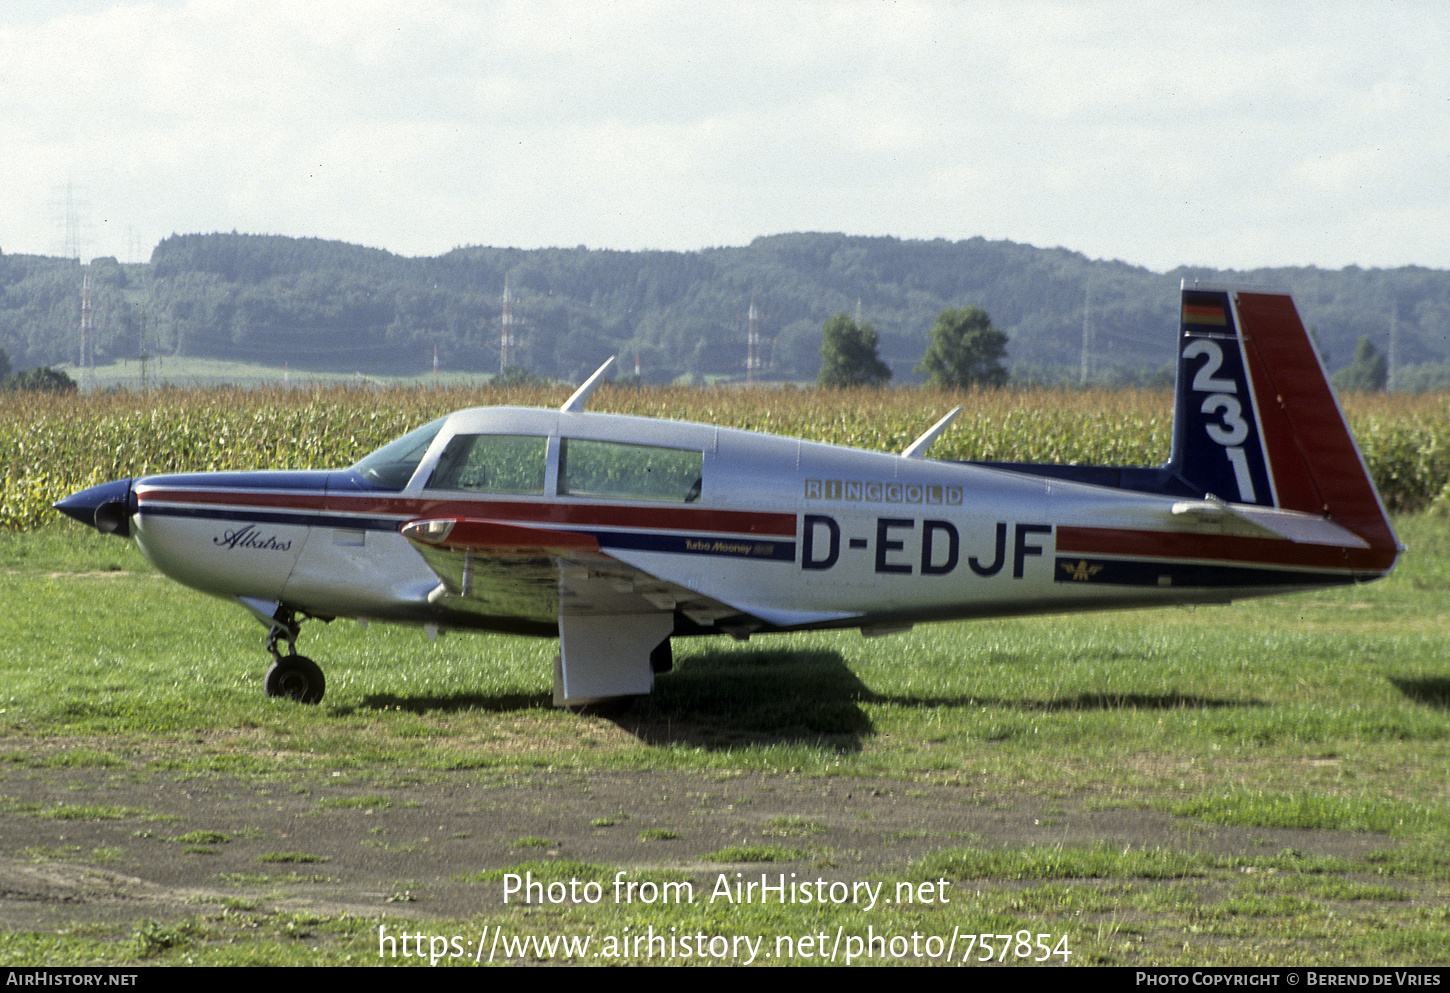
point(1174, 574)
point(745, 548)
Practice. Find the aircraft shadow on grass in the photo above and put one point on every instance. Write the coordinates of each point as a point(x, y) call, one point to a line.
point(718, 699)
point(722, 699)
point(1433, 691)
point(1080, 701)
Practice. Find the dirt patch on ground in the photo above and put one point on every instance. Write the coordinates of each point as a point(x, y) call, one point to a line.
point(132, 840)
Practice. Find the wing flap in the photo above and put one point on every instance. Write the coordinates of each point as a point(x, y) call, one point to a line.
point(678, 571)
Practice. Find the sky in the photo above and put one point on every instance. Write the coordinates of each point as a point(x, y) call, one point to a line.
point(1223, 134)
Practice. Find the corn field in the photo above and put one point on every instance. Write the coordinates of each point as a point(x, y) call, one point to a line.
point(52, 445)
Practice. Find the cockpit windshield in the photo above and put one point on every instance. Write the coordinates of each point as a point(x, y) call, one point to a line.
point(391, 466)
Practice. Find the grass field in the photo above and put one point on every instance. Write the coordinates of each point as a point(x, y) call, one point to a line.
point(1260, 783)
point(1293, 754)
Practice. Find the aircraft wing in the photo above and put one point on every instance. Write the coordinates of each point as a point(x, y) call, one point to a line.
point(613, 616)
point(540, 574)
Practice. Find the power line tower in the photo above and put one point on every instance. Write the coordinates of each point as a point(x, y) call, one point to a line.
point(753, 361)
point(506, 341)
point(86, 329)
point(1394, 359)
point(144, 355)
point(66, 209)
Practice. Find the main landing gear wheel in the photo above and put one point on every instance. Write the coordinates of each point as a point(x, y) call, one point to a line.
point(662, 658)
point(296, 677)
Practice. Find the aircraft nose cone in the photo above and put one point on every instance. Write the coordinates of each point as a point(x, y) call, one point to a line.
point(107, 507)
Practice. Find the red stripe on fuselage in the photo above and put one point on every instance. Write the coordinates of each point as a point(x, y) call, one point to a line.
point(1221, 548)
point(662, 518)
point(237, 498)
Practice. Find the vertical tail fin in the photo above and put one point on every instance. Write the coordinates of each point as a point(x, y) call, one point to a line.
point(1255, 421)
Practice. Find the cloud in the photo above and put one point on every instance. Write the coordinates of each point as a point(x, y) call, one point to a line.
point(1227, 134)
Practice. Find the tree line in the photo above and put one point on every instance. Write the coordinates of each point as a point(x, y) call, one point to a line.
point(327, 305)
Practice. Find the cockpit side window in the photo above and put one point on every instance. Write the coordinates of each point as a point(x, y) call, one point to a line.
point(618, 471)
point(390, 467)
point(491, 463)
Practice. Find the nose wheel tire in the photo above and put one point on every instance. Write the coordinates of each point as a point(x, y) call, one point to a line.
point(296, 677)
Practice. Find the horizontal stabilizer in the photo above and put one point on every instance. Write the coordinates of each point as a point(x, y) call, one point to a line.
point(1267, 522)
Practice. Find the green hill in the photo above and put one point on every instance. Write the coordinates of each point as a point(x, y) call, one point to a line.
point(328, 307)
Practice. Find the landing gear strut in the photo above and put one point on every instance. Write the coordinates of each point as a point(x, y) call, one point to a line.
point(293, 676)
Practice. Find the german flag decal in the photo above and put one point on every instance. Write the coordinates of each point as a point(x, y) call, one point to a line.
point(1204, 313)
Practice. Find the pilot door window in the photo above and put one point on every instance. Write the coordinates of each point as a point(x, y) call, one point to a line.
point(617, 471)
point(491, 463)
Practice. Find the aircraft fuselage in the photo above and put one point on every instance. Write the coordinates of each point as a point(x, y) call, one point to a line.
point(838, 536)
point(617, 533)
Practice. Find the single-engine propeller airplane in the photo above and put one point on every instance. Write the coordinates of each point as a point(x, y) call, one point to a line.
point(617, 533)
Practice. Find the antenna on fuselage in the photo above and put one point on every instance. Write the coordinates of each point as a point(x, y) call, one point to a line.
point(581, 396)
point(917, 449)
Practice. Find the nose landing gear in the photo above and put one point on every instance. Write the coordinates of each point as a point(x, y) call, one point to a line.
point(296, 677)
point(293, 676)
